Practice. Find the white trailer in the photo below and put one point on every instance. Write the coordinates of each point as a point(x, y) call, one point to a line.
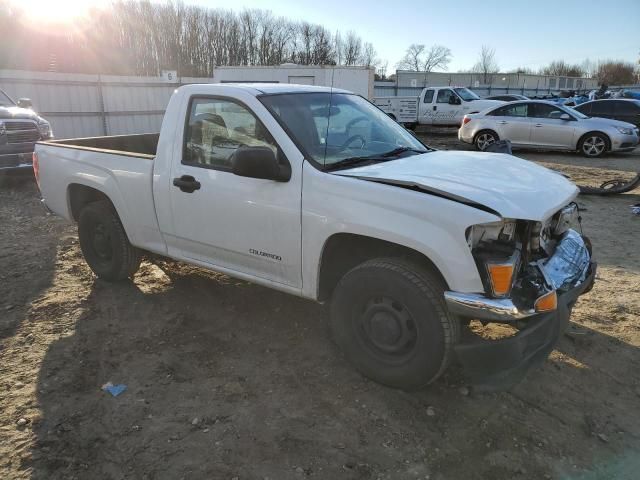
point(355, 79)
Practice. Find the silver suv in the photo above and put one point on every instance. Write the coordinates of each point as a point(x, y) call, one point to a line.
point(544, 125)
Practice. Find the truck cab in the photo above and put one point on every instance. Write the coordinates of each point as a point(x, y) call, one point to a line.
point(448, 105)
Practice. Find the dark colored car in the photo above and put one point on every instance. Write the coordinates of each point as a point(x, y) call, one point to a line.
point(20, 128)
point(626, 110)
point(512, 97)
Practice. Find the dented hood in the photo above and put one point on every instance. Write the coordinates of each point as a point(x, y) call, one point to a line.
point(508, 185)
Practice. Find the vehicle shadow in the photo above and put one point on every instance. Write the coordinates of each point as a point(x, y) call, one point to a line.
point(228, 379)
point(28, 243)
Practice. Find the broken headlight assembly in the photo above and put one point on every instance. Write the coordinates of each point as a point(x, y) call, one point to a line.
point(528, 261)
point(497, 254)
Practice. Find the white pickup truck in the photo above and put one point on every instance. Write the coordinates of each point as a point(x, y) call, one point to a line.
point(315, 192)
point(445, 106)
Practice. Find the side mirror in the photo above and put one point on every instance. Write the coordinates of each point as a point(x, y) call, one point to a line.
point(25, 103)
point(453, 100)
point(566, 117)
point(258, 162)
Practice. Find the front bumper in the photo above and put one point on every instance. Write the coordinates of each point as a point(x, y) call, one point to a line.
point(498, 364)
point(18, 160)
point(624, 143)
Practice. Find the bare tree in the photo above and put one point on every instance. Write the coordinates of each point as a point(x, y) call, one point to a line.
point(140, 37)
point(560, 68)
point(486, 64)
point(615, 73)
point(368, 57)
point(438, 56)
point(351, 48)
point(412, 59)
point(418, 59)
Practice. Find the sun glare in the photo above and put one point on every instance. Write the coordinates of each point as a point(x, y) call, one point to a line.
point(58, 11)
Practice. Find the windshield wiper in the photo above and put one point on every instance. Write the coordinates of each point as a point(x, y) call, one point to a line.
point(384, 157)
point(399, 150)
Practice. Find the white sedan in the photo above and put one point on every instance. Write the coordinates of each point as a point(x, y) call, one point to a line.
point(544, 125)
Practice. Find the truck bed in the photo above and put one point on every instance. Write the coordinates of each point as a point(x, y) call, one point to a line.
point(141, 145)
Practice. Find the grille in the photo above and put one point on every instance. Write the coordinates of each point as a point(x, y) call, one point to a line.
point(12, 126)
point(22, 132)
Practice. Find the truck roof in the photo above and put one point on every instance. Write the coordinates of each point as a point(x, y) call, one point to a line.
point(263, 88)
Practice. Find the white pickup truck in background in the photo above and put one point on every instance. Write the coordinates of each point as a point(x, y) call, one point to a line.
point(315, 192)
point(445, 106)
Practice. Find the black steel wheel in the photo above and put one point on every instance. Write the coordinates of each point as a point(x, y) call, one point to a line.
point(105, 244)
point(389, 317)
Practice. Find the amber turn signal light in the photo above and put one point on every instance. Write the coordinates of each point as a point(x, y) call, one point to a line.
point(501, 276)
point(547, 302)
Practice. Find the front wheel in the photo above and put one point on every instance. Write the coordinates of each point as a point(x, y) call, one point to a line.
point(593, 145)
point(389, 317)
point(105, 244)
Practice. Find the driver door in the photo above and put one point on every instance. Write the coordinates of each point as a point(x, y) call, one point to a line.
point(243, 224)
point(444, 112)
point(548, 129)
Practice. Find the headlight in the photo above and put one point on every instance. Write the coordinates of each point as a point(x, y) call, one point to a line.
point(625, 130)
point(45, 128)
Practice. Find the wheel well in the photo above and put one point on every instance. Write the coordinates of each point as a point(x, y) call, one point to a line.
point(344, 251)
point(80, 195)
point(606, 138)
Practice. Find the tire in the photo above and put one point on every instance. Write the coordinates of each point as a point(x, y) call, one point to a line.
point(594, 144)
point(390, 319)
point(484, 138)
point(104, 243)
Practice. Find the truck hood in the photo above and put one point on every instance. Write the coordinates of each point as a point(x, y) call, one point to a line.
point(17, 112)
point(507, 185)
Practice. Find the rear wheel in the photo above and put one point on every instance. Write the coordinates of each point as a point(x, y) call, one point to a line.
point(485, 138)
point(104, 242)
point(388, 316)
point(594, 144)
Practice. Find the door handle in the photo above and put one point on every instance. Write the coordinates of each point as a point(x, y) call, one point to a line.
point(538, 125)
point(186, 183)
point(502, 122)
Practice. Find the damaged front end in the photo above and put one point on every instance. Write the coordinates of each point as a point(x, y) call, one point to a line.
point(532, 273)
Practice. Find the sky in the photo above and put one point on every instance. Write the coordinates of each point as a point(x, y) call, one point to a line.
point(523, 33)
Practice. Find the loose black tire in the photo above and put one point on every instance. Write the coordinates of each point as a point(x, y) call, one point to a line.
point(104, 242)
point(389, 317)
point(594, 144)
point(482, 139)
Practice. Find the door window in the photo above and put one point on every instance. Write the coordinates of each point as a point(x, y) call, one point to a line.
point(444, 95)
point(601, 108)
point(626, 108)
point(585, 108)
point(542, 110)
point(519, 110)
point(428, 96)
point(216, 128)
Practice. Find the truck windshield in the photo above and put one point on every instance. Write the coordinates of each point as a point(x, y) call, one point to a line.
point(5, 101)
point(338, 130)
point(466, 94)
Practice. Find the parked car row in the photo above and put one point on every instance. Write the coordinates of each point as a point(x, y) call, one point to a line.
point(541, 124)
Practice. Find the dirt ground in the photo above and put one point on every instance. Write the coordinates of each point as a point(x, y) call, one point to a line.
point(230, 380)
